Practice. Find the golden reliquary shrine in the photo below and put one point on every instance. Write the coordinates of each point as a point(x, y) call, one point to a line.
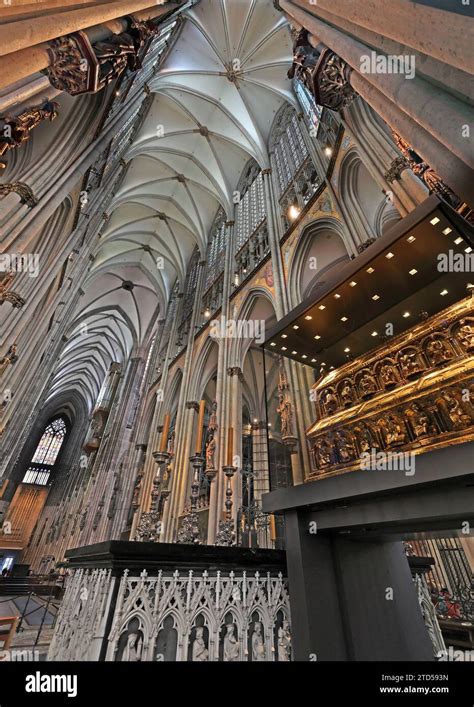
point(411, 394)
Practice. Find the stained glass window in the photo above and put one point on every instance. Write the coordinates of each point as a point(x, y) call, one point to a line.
point(46, 453)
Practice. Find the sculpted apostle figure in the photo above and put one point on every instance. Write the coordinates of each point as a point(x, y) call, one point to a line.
point(231, 644)
point(133, 649)
point(284, 642)
point(200, 652)
point(258, 645)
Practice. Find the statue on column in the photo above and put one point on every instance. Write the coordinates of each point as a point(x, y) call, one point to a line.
point(285, 408)
point(16, 130)
point(210, 452)
point(9, 359)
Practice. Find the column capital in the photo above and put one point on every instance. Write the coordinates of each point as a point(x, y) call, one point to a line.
point(266, 171)
point(229, 223)
point(235, 371)
point(192, 405)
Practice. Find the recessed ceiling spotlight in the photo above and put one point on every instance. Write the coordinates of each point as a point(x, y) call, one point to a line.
point(317, 337)
point(308, 317)
point(331, 368)
point(389, 256)
point(295, 326)
point(284, 336)
point(294, 353)
point(458, 240)
point(273, 344)
point(353, 283)
point(413, 271)
point(313, 360)
point(447, 231)
point(304, 356)
point(322, 306)
point(347, 349)
point(337, 296)
point(434, 221)
point(370, 270)
point(375, 297)
point(443, 292)
point(343, 319)
point(468, 249)
point(375, 333)
point(410, 239)
point(283, 348)
point(406, 314)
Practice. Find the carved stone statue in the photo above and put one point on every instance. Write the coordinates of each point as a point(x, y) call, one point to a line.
point(9, 359)
point(466, 334)
point(258, 645)
point(210, 452)
point(438, 352)
point(410, 363)
point(133, 648)
point(284, 642)
point(231, 644)
point(367, 385)
point(200, 652)
point(286, 414)
point(456, 414)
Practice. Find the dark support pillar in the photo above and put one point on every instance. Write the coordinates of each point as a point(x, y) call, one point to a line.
point(351, 599)
point(316, 621)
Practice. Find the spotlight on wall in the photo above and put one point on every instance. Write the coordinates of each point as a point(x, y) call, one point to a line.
point(236, 279)
point(328, 151)
point(293, 212)
point(207, 313)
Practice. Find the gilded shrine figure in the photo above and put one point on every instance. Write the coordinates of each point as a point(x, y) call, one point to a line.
point(438, 352)
point(465, 334)
point(410, 363)
point(388, 375)
point(367, 385)
point(347, 393)
point(420, 421)
point(457, 416)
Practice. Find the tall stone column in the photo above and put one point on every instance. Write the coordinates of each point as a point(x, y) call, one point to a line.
point(404, 106)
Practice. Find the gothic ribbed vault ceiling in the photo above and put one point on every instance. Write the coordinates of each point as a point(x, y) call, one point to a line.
point(215, 98)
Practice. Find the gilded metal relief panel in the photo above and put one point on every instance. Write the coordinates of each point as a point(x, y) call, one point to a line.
point(413, 394)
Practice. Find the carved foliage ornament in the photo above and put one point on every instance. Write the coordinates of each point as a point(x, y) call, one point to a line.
point(77, 66)
point(323, 72)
